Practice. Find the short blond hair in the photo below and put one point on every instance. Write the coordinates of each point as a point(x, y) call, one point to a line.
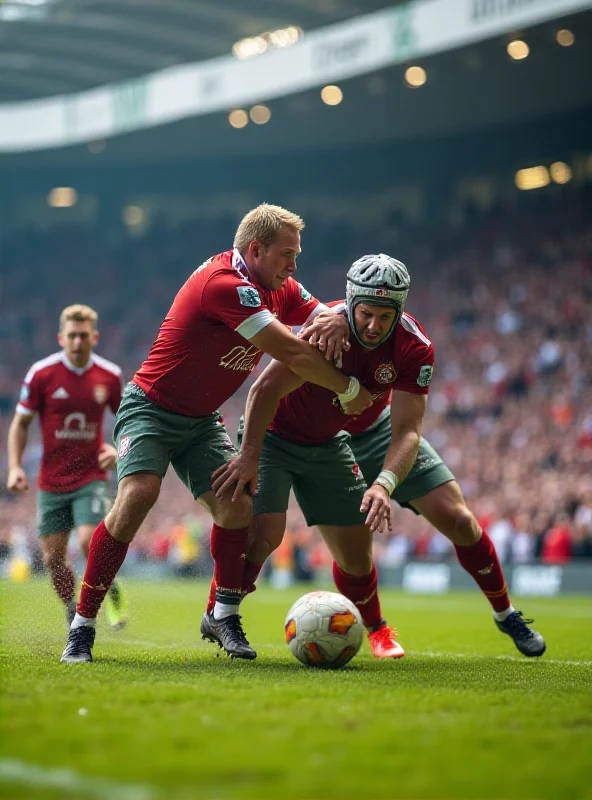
point(264, 224)
point(78, 313)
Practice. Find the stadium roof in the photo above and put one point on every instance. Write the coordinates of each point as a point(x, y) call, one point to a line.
point(50, 47)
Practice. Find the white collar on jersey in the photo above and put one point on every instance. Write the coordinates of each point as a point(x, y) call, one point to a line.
point(238, 262)
point(73, 368)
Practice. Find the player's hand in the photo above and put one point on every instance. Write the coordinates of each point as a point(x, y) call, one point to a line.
point(330, 333)
point(17, 480)
point(241, 471)
point(107, 456)
point(360, 403)
point(377, 503)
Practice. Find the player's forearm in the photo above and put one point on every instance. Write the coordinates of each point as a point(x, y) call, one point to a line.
point(310, 365)
point(17, 441)
point(401, 454)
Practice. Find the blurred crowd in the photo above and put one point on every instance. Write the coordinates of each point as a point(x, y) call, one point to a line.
point(507, 301)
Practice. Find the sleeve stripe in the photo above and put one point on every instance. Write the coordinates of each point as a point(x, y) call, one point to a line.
point(254, 324)
point(409, 325)
point(26, 412)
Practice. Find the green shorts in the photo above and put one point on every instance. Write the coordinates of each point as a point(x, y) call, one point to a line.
point(148, 438)
point(59, 512)
point(428, 471)
point(327, 482)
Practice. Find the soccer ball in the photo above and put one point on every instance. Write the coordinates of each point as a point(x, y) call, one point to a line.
point(324, 629)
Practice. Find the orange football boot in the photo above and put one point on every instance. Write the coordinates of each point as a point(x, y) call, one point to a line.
point(384, 643)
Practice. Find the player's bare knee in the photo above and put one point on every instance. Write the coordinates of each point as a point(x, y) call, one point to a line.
point(135, 497)
point(465, 526)
point(234, 515)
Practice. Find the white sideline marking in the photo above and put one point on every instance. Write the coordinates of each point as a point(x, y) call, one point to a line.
point(426, 653)
point(14, 771)
point(523, 659)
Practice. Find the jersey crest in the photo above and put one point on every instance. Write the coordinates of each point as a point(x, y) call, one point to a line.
point(385, 373)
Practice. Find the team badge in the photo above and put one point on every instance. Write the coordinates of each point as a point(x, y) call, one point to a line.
point(100, 393)
point(357, 472)
point(385, 373)
point(304, 294)
point(124, 447)
point(248, 296)
point(425, 375)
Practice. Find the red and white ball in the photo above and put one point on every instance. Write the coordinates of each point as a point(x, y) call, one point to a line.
point(324, 629)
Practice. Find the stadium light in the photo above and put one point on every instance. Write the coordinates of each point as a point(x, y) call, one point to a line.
point(238, 118)
point(133, 216)
point(331, 95)
point(565, 37)
point(260, 114)
point(532, 178)
point(518, 50)
point(560, 172)
point(257, 45)
point(62, 197)
point(415, 77)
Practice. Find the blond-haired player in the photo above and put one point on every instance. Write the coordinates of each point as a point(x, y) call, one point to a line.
point(70, 391)
point(230, 311)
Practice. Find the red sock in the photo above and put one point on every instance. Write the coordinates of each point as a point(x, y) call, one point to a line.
point(105, 557)
point(228, 547)
point(481, 562)
point(63, 580)
point(250, 574)
point(362, 590)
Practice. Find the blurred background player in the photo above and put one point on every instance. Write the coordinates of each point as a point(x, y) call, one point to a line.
point(226, 315)
point(70, 390)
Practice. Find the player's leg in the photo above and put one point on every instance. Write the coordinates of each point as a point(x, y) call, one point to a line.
point(330, 495)
point(144, 434)
point(210, 448)
point(55, 521)
point(90, 504)
point(444, 507)
point(229, 538)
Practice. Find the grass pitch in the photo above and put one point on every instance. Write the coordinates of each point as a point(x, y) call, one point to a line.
point(158, 715)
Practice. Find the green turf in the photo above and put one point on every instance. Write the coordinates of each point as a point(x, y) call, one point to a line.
point(462, 716)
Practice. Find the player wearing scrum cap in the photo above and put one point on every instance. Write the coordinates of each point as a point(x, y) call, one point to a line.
point(393, 357)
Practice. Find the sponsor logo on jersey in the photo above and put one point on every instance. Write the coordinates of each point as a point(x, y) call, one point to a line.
point(306, 296)
point(25, 392)
point(241, 358)
point(425, 375)
point(249, 296)
point(76, 427)
point(385, 373)
point(60, 394)
point(124, 446)
point(100, 393)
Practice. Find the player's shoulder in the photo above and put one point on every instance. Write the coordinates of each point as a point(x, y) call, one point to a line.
point(106, 366)
point(412, 331)
point(43, 365)
point(338, 305)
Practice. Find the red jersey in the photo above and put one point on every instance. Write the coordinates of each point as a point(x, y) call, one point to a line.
point(404, 362)
point(200, 357)
point(71, 404)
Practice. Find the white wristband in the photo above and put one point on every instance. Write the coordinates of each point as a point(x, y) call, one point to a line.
point(351, 392)
point(388, 480)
